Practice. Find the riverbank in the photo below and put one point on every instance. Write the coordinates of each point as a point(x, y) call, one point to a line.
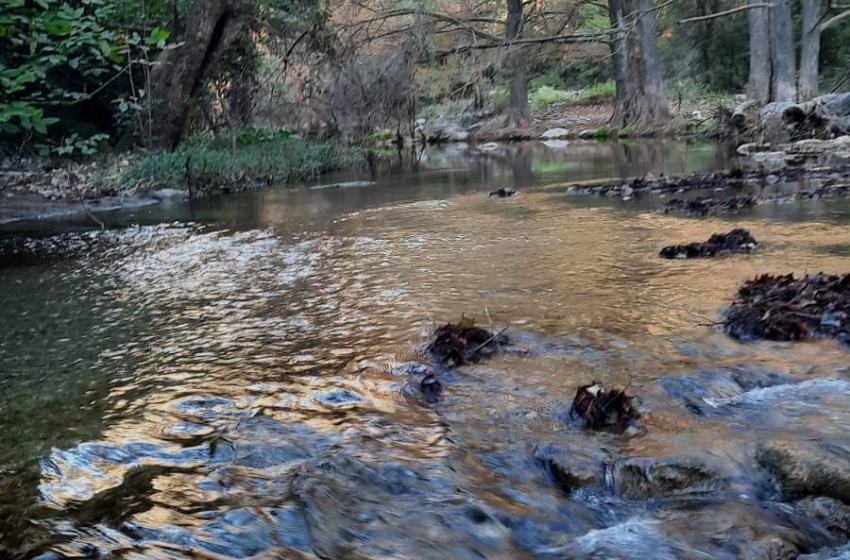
point(40, 188)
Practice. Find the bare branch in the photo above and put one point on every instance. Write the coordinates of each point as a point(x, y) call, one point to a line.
point(835, 19)
point(725, 13)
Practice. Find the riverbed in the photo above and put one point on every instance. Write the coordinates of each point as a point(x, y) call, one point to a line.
point(239, 377)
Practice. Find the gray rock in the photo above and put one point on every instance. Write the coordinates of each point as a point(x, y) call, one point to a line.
point(555, 133)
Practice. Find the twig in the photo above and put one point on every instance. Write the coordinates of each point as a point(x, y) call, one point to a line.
point(92, 216)
point(489, 320)
point(488, 341)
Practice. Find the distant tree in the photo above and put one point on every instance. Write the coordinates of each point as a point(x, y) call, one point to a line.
point(518, 113)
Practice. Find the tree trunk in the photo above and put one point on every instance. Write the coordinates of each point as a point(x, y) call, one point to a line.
point(211, 27)
point(641, 98)
point(759, 88)
point(784, 60)
point(518, 113)
point(810, 49)
point(622, 56)
point(654, 89)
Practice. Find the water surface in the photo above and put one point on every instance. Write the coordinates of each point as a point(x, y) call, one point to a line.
point(240, 376)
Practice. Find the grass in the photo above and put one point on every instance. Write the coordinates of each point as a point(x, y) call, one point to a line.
point(547, 95)
point(259, 161)
point(691, 91)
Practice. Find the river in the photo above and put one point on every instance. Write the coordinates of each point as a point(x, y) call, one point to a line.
point(239, 377)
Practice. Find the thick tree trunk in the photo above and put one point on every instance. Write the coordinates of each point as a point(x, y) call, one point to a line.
point(810, 48)
point(211, 27)
point(653, 77)
point(622, 55)
point(760, 58)
point(641, 98)
point(784, 60)
point(518, 113)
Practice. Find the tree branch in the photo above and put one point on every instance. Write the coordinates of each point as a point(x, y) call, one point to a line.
point(725, 13)
point(835, 19)
point(597, 37)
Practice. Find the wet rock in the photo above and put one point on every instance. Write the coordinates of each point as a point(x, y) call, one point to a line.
point(643, 479)
point(703, 391)
point(789, 308)
point(841, 553)
point(503, 193)
point(488, 147)
point(571, 466)
point(456, 344)
point(830, 513)
point(431, 388)
point(808, 469)
point(359, 508)
point(736, 241)
point(602, 408)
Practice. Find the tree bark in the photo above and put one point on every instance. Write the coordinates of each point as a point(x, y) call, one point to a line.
point(622, 56)
point(211, 27)
point(783, 58)
point(759, 88)
point(518, 112)
point(654, 89)
point(641, 97)
point(810, 49)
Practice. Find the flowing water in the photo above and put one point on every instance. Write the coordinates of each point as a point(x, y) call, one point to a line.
point(239, 377)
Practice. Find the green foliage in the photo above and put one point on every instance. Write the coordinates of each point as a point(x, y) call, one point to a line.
point(596, 93)
point(76, 145)
point(594, 17)
point(545, 96)
point(602, 135)
point(263, 158)
point(692, 91)
point(51, 54)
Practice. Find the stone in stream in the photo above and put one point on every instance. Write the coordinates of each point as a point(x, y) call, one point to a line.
point(736, 241)
point(648, 478)
point(362, 508)
point(571, 465)
point(808, 468)
point(832, 514)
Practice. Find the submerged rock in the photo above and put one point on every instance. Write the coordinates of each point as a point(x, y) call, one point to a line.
point(736, 241)
point(841, 553)
point(832, 514)
point(808, 469)
point(571, 466)
point(643, 479)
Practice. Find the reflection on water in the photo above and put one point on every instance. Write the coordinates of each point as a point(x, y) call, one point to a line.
point(247, 385)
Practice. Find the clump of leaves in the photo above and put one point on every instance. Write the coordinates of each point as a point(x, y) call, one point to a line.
point(454, 344)
point(602, 408)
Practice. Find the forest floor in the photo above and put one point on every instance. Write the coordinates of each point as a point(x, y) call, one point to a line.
point(590, 120)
